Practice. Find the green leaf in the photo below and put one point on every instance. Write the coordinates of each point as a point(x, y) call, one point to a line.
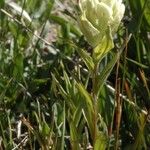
point(102, 77)
point(146, 9)
point(63, 129)
point(138, 63)
point(105, 46)
point(86, 58)
point(45, 129)
point(77, 114)
point(141, 11)
point(18, 66)
point(67, 81)
point(101, 142)
point(64, 94)
point(13, 28)
point(63, 22)
point(106, 71)
point(85, 94)
point(87, 106)
point(140, 138)
point(74, 136)
point(2, 2)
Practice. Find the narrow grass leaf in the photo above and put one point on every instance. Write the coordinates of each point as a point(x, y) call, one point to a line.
point(77, 114)
point(74, 136)
point(85, 94)
point(86, 58)
point(88, 109)
point(137, 63)
point(63, 129)
point(63, 22)
point(107, 70)
point(101, 142)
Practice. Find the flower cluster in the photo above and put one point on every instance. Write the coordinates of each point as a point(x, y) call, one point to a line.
point(98, 17)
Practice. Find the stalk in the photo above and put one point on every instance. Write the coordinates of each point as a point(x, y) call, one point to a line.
point(95, 96)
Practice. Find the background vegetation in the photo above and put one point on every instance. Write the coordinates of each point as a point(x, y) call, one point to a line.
point(45, 82)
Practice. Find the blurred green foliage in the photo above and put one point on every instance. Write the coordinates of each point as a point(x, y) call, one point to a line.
point(45, 79)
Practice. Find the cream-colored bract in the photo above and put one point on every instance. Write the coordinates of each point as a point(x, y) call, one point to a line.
point(99, 16)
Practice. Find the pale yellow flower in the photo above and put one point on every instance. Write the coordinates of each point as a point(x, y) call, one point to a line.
point(98, 17)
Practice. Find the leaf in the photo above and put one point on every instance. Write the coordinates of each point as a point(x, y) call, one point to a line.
point(146, 9)
point(19, 10)
point(105, 46)
point(13, 28)
point(18, 66)
point(101, 142)
point(108, 68)
point(7, 86)
point(2, 2)
point(141, 11)
point(138, 63)
point(86, 58)
point(57, 84)
point(67, 81)
point(45, 129)
point(40, 81)
point(85, 94)
point(74, 136)
point(63, 22)
point(87, 105)
point(64, 94)
point(77, 114)
point(106, 71)
point(63, 129)
point(140, 138)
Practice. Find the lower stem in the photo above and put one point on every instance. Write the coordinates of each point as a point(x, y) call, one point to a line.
point(94, 95)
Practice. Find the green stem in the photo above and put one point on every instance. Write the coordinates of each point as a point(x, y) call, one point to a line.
point(94, 95)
